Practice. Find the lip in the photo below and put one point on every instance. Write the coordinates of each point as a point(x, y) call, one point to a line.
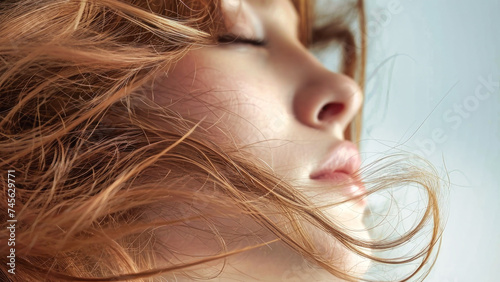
point(339, 167)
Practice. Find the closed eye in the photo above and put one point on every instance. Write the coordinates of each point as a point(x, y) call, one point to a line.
point(235, 39)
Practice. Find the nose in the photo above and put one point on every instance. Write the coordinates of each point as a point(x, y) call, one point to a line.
point(323, 99)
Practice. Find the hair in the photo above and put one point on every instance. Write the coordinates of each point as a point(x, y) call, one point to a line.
point(86, 188)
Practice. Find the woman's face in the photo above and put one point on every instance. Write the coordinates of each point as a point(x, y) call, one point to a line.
point(282, 101)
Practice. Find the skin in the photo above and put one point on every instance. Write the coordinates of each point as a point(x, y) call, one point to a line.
point(270, 98)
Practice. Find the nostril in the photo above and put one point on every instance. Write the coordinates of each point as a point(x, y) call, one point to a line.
point(330, 110)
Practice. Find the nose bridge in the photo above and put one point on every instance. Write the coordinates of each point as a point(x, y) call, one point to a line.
point(323, 99)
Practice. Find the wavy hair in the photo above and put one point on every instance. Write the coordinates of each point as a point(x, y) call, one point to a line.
point(86, 188)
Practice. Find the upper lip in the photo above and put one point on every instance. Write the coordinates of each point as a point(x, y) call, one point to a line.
point(342, 158)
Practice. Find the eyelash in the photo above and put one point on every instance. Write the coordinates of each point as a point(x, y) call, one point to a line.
point(232, 38)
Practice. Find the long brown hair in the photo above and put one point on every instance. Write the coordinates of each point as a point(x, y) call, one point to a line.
point(83, 183)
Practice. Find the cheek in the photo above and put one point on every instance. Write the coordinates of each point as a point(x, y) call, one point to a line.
point(238, 105)
point(235, 99)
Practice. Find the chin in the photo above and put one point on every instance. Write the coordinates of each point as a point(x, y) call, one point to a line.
point(350, 220)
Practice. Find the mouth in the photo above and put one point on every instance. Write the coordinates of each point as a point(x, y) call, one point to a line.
point(340, 167)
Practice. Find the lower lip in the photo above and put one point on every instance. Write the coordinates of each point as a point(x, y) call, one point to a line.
point(350, 187)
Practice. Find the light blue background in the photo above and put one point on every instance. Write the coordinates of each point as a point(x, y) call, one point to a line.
point(427, 59)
